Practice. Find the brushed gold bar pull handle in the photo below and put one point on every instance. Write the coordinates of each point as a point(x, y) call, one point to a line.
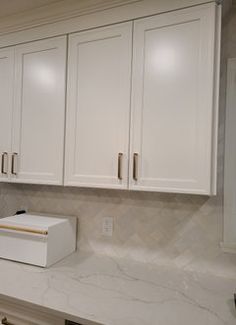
point(3, 170)
point(120, 157)
point(5, 321)
point(24, 229)
point(135, 166)
point(13, 163)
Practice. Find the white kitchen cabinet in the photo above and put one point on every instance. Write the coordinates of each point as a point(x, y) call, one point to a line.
point(142, 106)
point(39, 112)
point(174, 116)
point(98, 107)
point(6, 108)
point(32, 89)
point(173, 127)
point(15, 314)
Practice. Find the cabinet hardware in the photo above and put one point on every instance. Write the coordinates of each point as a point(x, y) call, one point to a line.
point(120, 156)
point(5, 321)
point(135, 166)
point(24, 229)
point(13, 163)
point(3, 170)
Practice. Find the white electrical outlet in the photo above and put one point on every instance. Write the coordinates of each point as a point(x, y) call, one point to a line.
point(107, 226)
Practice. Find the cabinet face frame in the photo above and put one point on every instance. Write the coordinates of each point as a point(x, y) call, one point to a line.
point(206, 182)
point(108, 164)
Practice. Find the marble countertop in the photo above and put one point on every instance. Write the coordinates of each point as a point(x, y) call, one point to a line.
point(116, 291)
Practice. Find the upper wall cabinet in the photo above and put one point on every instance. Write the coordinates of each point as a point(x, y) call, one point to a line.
point(6, 108)
point(98, 107)
point(173, 113)
point(37, 126)
point(173, 127)
point(142, 105)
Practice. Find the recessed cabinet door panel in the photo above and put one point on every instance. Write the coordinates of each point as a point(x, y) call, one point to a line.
point(98, 107)
point(39, 113)
point(172, 108)
point(6, 106)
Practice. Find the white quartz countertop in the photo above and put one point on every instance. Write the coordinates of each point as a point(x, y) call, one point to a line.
point(116, 291)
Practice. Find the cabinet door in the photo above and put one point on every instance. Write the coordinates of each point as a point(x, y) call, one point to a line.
point(172, 102)
point(39, 112)
point(98, 107)
point(6, 105)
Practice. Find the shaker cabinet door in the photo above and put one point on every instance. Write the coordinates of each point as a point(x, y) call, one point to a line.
point(172, 102)
point(39, 112)
point(98, 107)
point(6, 107)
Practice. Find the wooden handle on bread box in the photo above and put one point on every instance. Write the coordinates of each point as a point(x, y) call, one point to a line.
point(24, 229)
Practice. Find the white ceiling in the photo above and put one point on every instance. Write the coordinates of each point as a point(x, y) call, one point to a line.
point(12, 7)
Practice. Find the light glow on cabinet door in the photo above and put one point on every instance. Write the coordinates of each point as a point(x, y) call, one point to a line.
point(164, 59)
point(44, 76)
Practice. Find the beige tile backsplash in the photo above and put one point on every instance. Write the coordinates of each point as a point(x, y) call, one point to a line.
point(182, 230)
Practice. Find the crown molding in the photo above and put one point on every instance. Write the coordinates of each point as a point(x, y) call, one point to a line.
point(57, 12)
point(69, 16)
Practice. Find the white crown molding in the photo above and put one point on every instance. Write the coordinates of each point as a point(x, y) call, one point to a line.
point(57, 12)
point(69, 16)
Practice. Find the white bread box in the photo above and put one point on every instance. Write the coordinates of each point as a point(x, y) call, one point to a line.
point(37, 239)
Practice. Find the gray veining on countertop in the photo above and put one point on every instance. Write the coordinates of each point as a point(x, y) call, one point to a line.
point(117, 291)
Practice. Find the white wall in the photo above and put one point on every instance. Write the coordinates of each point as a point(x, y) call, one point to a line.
point(229, 238)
